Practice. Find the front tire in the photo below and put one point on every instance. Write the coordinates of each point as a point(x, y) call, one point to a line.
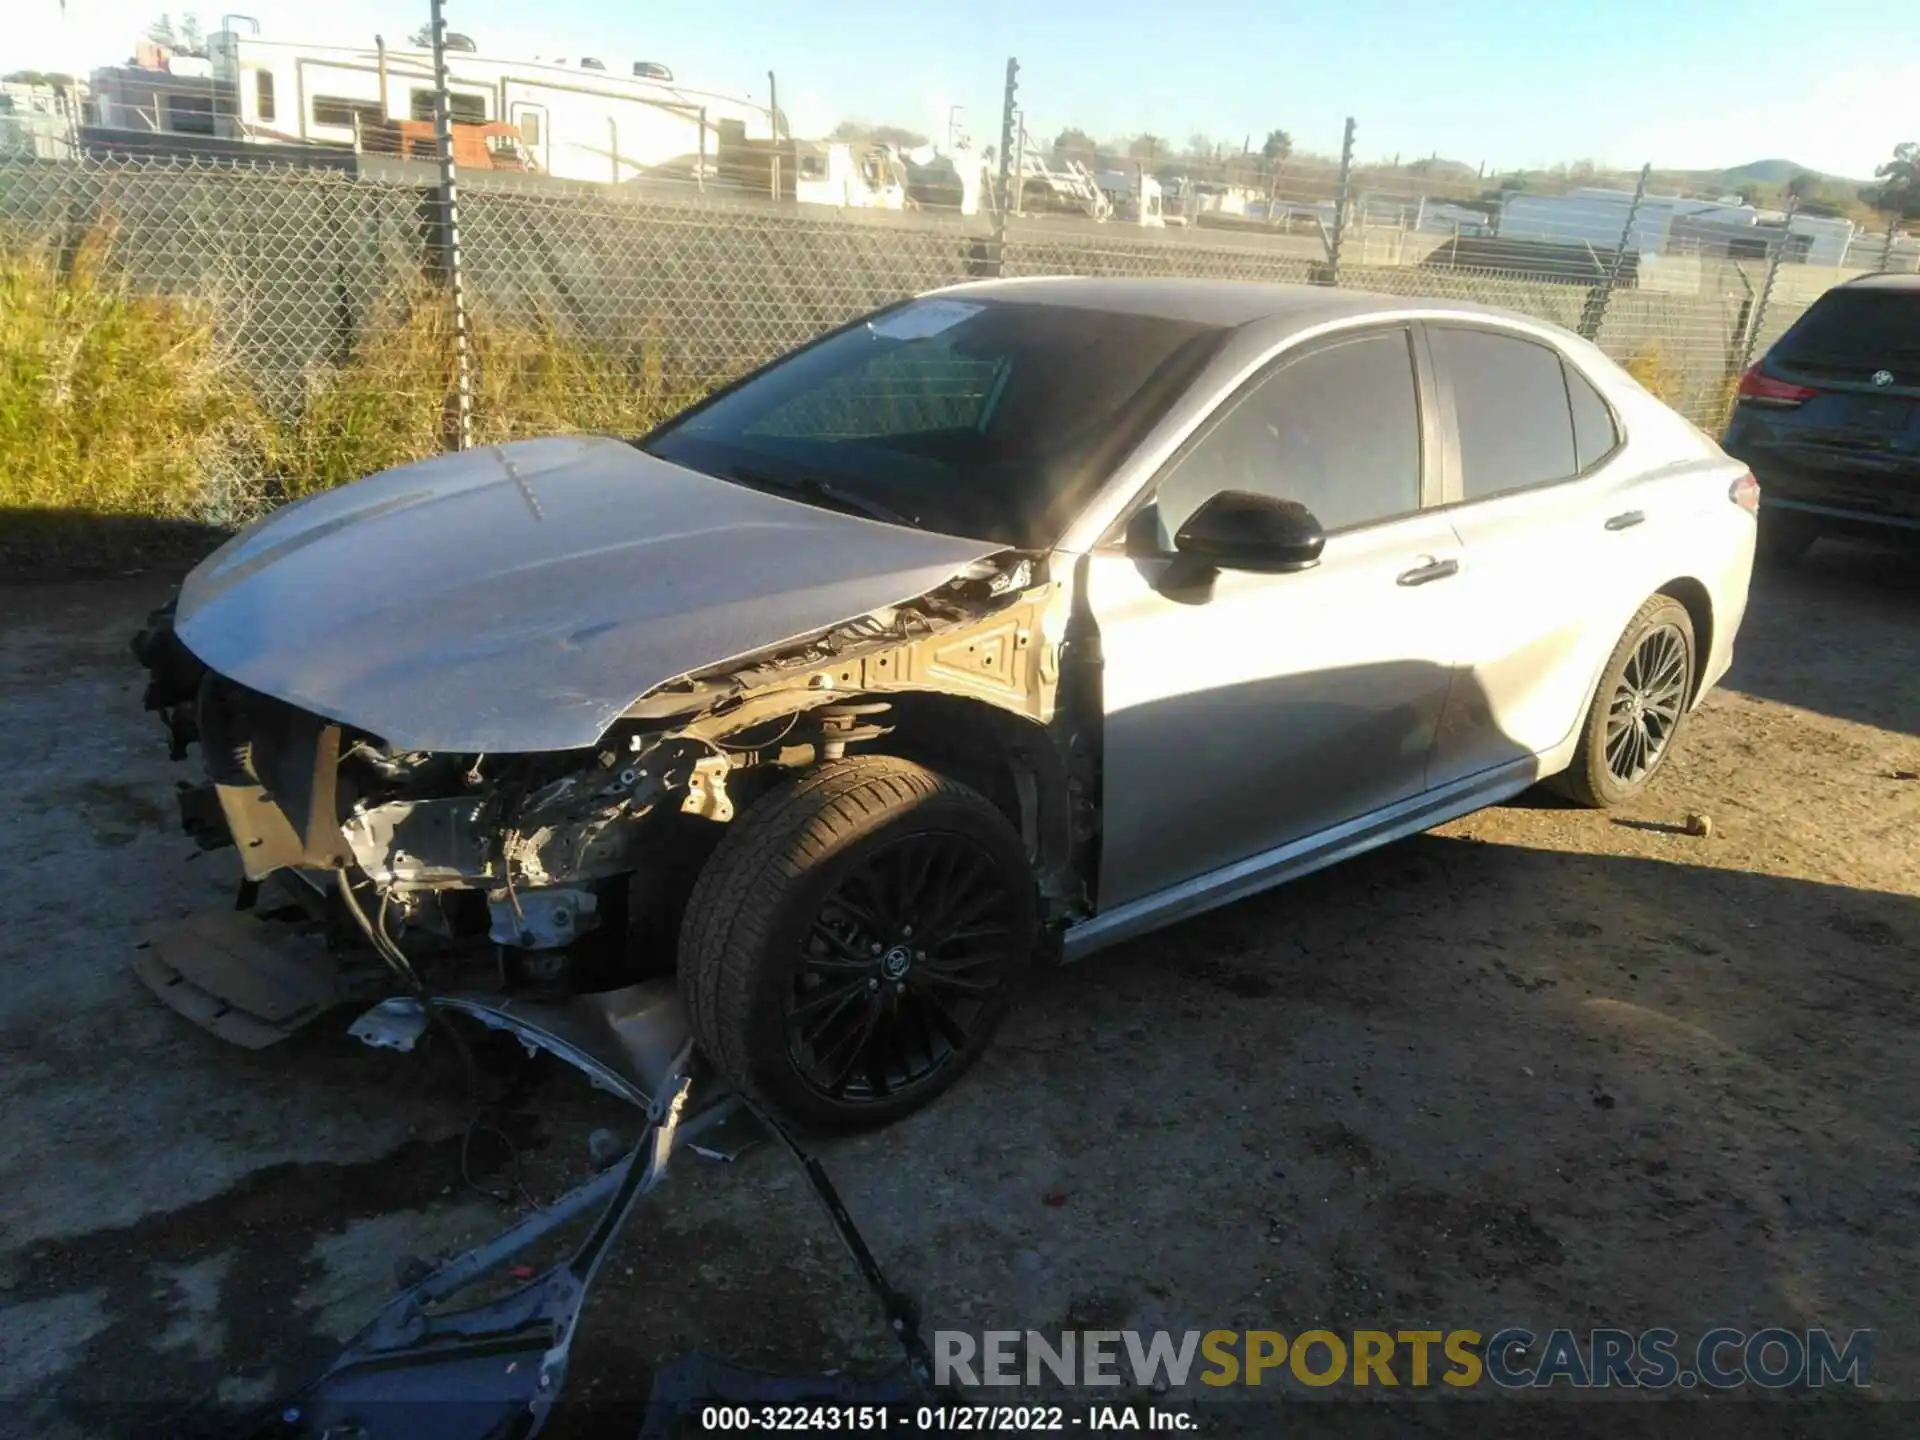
point(854, 942)
point(1638, 710)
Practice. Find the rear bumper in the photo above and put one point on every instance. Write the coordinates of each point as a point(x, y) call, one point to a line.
point(1864, 491)
point(1841, 520)
point(1728, 590)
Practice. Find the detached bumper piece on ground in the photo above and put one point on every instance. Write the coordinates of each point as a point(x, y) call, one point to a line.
point(494, 1370)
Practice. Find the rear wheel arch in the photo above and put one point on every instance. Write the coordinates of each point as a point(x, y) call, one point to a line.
point(1692, 594)
point(1591, 778)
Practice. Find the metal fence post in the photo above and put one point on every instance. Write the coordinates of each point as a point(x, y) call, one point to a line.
point(1339, 205)
point(449, 216)
point(1886, 249)
point(1595, 313)
point(1759, 314)
point(1010, 173)
point(1020, 158)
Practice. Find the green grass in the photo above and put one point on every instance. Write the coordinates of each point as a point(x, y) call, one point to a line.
point(116, 405)
point(110, 403)
point(1649, 366)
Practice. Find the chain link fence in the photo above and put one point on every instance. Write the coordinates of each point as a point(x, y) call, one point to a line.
point(299, 333)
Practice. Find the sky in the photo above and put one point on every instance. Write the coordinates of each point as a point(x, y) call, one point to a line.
point(1698, 85)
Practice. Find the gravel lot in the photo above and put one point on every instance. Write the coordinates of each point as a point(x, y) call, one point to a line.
point(1541, 1066)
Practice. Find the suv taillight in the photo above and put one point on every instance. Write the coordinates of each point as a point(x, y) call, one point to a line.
point(1745, 492)
point(1765, 390)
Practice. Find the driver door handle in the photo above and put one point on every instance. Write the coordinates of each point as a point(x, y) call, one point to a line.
point(1626, 520)
point(1429, 572)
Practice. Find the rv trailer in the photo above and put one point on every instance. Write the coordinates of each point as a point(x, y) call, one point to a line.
point(578, 120)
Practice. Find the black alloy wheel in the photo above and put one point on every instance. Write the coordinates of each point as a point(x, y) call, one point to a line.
point(900, 966)
point(855, 940)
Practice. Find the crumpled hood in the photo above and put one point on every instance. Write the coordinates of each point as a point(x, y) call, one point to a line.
point(518, 598)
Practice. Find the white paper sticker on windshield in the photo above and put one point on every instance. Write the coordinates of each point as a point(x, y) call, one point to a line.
point(927, 317)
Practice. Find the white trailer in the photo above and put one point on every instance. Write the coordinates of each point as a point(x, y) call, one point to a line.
point(852, 175)
point(958, 176)
point(848, 177)
point(578, 121)
point(1598, 217)
point(1132, 197)
point(1829, 237)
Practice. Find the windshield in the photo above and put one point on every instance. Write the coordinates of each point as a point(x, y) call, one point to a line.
point(1867, 327)
point(984, 418)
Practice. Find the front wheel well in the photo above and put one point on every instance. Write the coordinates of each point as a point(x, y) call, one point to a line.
point(1699, 607)
point(1009, 759)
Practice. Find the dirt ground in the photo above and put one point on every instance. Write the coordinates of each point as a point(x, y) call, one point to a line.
point(1541, 1066)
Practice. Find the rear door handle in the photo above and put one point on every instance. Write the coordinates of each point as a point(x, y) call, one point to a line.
point(1626, 520)
point(1431, 571)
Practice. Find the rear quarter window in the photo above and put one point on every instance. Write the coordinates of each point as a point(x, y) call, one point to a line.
point(1594, 433)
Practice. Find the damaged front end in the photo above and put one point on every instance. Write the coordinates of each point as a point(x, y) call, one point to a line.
point(566, 871)
point(539, 894)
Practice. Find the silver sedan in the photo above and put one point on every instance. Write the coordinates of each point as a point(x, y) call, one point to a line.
point(995, 627)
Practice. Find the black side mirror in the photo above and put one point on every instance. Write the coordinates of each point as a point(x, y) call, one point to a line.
point(1242, 530)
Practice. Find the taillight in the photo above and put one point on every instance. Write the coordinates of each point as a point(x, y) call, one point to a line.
point(1765, 390)
point(1745, 492)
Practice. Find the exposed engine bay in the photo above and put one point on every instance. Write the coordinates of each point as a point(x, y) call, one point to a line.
point(568, 869)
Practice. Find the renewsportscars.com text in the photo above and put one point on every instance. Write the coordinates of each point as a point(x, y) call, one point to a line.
point(1511, 1358)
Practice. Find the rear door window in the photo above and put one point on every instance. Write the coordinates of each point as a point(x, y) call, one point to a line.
point(1511, 409)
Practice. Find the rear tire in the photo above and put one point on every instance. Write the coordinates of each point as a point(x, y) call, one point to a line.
point(1638, 709)
point(855, 941)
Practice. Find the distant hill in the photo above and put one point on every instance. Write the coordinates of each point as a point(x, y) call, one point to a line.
point(1764, 181)
point(1771, 172)
point(1761, 172)
point(1434, 165)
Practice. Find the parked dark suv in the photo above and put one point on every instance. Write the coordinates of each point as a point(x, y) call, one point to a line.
point(1829, 419)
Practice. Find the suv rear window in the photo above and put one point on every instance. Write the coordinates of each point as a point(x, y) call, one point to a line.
point(1848, 330)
